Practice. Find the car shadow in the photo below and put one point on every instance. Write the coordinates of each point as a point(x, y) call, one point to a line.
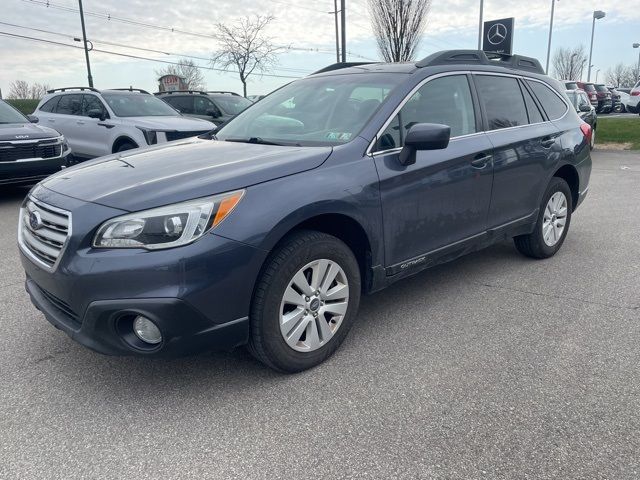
point(10, 193)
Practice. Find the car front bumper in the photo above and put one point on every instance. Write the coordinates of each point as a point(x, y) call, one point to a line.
point(29, 172)
point(198, 295)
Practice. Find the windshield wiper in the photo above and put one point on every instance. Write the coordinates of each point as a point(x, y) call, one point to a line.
point(256, 140)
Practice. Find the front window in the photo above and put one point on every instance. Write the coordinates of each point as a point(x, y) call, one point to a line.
point(8, 114)
point(138, 105)
point(329, 110)
point(232, 104)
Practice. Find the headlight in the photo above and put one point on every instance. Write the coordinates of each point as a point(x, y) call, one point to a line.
point(169, 226)
point(150, 136)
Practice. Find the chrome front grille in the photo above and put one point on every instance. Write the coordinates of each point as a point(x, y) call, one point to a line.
point(43, 232)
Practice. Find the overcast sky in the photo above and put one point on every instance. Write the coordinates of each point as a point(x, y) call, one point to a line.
point(299, 23)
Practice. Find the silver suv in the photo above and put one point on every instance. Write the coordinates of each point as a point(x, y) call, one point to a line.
point(100, 122)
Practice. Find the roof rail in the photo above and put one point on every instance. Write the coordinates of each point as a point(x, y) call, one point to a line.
point(341, 65)
point(181, 91)
point(465, 57)
point(64, 89)
point(223, 91)
point(130, 89)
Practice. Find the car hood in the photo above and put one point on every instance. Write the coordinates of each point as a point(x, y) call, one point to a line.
point(146, 178)
point(176, 122)
point(25, 131)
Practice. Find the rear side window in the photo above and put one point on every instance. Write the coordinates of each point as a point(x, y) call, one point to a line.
point(502, 100)
point(50, 105)
point(91, 102)
point(532, 109)
point(446, 100)
point(70, 105)
point(184, 103)
point(551, 102)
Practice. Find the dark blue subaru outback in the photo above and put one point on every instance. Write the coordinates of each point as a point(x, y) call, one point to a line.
point(268, 232)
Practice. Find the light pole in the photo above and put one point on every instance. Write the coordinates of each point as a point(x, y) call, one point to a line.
point(597, 72)
point(637, 45)
point(597, 15)
point(84, 41)
point(553, 7)
point(582, 68)
point(480, 25)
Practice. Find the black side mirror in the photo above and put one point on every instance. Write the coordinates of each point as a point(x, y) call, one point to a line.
point(585, 108)
point(96, 113)
point(213, 112)
point(424, 136)
point(33, 118)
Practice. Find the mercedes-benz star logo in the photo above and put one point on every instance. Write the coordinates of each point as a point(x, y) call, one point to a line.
point(35, 221)
point(497, 34)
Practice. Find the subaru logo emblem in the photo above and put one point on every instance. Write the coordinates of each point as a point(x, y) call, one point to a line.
point(35, 221)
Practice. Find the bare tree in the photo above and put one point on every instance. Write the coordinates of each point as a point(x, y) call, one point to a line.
point(398, 26)
point(568, 63)
point(38, 90)
point(619, 75)
point(20, 89)
point(245, 48)
point(187, 69)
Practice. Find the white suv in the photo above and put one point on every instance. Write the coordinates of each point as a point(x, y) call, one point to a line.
point(633, 104)
point(100, 122)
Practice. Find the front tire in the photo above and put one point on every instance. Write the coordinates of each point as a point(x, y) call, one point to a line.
point(552, 225)
point(125, 146)
point(305, 302)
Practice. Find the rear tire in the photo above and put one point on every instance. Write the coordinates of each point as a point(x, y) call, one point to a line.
point(287, 332)
point(552, 225)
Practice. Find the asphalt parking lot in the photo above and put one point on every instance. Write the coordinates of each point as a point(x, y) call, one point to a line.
point(494, 366)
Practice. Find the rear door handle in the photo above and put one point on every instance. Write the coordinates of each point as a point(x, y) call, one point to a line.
point(51, 120)
point(547, 142)
point(80, 122)
point(481, 160)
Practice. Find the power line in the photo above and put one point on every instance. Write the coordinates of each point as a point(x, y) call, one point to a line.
point(137, 57)
point(129, 21)
point(104, 42)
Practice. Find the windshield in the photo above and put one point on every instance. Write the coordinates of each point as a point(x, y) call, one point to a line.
point(318, 111)
point(138, 105)
point(8, 114)
point(589, 87)
point(571, 85)
point(602, 89)
point(231, 104)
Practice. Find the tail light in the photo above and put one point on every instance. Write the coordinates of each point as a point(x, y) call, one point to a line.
point(593, 96)
point(635, 93)
point(586, 131)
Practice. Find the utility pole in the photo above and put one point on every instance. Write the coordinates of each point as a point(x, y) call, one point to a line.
point(553, 7)
point(480, 25)
point(343, 17)
point(84, 41)
point(597, 15)
point(335, 16)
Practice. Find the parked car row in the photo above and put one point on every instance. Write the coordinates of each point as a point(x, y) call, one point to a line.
point(607, 99)
point(84, 123)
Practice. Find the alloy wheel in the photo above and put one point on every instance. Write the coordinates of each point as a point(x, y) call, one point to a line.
point(313, 305)
point(555, 219)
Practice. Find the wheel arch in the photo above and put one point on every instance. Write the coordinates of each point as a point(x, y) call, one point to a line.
point(569, 174)
point(121, 140)
point(338, 224)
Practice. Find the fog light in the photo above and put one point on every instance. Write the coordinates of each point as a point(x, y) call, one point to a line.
point(146, 330)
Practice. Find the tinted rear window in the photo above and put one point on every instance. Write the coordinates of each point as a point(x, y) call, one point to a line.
point(551, 102)
point(602, 88)
point(50, 105)
point(502, 100)
point(589, 87)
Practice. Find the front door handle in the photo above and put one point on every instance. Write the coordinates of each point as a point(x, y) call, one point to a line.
point(80, 122)
point(547, 142)
point(481, 160)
